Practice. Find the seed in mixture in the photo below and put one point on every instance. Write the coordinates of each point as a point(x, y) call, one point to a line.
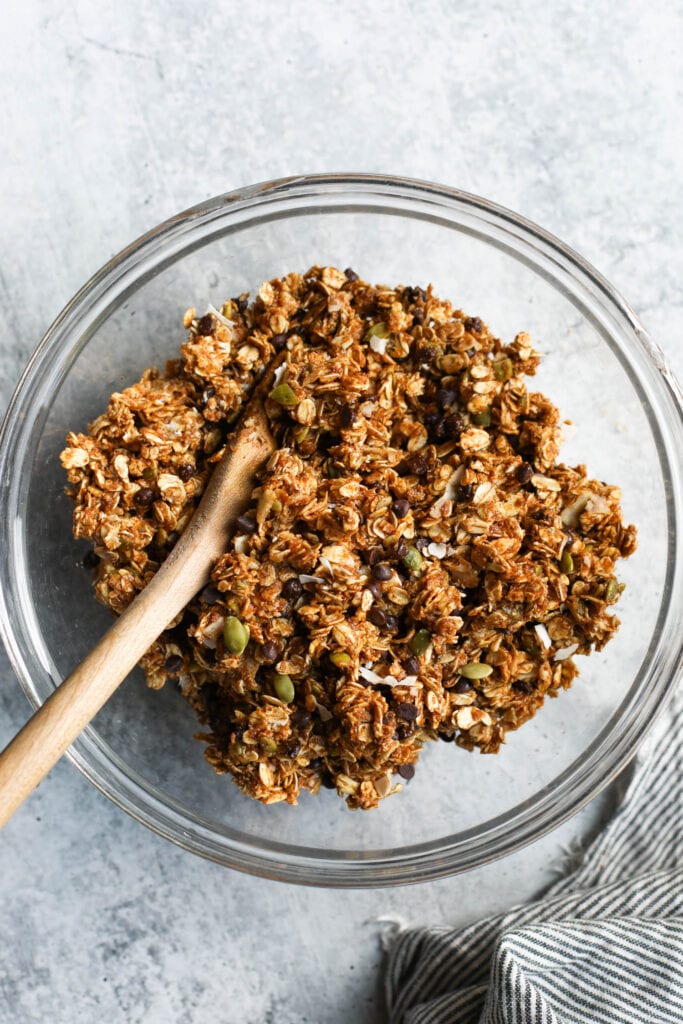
point(284, 395)
point(421, 642)
point(415, 563)
point(412, 560)
point(475, 670)
point(235, 635)
point(284, 687)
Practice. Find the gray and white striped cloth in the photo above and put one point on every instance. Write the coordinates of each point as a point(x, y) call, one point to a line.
point(604, 945)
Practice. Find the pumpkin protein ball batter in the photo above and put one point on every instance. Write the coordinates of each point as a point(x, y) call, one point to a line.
point(414, 563)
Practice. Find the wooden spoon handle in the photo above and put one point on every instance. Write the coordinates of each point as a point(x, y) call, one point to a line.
point(34, 751)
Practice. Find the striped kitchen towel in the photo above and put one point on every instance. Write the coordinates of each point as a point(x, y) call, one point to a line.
point(604, 945)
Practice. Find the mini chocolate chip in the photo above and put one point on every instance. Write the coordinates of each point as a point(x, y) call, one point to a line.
point(524, 472)
point(347, 416)
point(207, 393)
point(418, 317)
point(391, 622)
point(278, 341)
point(431, 420)
point(521, 687)
point(246, 524)
point(381, 571)
point(186, 472)
point(327, 781)
point(473, 323)
point(401, 549)
point(316, 763)
point(465, 492)
point(445, 738)
point(292, 589)
point(242, 303)
point(408, 712)
point(206, 324)
point(452, 425)
point(422, 294)
point(463, 685)
point(570, 535)
point(270, 652)
point(210, 695)
point(445, 397)
point(327, 440)
point(377, 617)
point(422, 543)
point(373, 555)
point(400, 508)
point(90, 560)
point(300, 717)
point(412, 666)
point(406, 771)
point(293, 748)
point(375, 588)
point(174, 664)
point(211, 594)
point(144, 497)
point(351, 275)
point(438, 430)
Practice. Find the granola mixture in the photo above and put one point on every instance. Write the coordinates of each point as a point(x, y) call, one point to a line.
point(415, 563)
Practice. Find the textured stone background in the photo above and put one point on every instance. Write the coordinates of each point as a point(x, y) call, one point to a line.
point(112, 118)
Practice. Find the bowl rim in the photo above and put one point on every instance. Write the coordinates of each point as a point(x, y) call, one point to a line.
point(417, 863)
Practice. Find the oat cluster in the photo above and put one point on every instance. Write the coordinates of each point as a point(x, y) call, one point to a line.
point(415, 564)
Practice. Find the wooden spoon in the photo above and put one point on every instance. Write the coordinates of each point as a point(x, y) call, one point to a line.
point(35, 750)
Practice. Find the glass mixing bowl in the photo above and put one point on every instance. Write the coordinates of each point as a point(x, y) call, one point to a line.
point(461, 809)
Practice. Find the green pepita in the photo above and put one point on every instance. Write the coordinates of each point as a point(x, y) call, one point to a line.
point(412, 560)
point(503, 369)
point(475, 670)
point(420, 642)
point(235, 635)
point(611, 590)
point(566, 563)
point(283, 395)
point(377, 331)
point(482, 419)
point(284, 687)
point(340, 658)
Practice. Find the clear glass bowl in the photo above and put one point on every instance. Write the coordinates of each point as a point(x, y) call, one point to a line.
point(461, 809)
